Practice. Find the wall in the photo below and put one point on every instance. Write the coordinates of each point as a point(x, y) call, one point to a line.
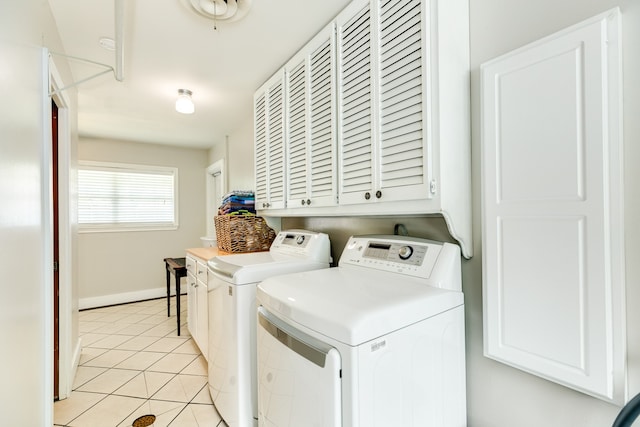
point(238, 154)
point(239, 157)
point(127, 266)
point(340, 229)
point(498, 395)
point(25, 237)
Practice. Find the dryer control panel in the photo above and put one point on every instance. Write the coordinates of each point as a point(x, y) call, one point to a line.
point(404, 253)
point(398, 254)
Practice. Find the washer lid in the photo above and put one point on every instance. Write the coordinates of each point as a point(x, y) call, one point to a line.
point(243, 269)
point(353, 305)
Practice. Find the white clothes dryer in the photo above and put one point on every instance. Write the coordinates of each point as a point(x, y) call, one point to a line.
point(377, 341)
point(232, 281)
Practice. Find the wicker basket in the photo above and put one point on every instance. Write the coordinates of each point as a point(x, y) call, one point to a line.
point(243, 233)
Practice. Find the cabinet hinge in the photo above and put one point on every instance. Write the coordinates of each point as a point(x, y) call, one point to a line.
point(56, 266)
point(432, 187)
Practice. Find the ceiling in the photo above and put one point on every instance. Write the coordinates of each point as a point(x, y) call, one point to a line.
point(168, 46)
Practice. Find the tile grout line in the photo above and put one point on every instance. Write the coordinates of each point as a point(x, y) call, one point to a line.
point(115, 317)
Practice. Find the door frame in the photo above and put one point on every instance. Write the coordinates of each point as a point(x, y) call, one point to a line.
point(213, 170)
point(69, 351)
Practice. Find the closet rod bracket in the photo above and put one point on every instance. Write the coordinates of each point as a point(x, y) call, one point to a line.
point(108, 69)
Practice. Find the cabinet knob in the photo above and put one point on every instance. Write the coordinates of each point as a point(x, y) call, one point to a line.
point(378, 194)
point(303, 202)
point(367, 195)
point(308, 202)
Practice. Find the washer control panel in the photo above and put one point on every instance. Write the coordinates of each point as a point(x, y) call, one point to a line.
point(302, 243)
point(398, 254)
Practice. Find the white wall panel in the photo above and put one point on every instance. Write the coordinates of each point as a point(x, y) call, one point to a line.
point(26, 308)
point(500, 396)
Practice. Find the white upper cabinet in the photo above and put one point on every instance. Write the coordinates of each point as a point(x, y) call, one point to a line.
point(269, 144)
point(377, 116)
point(311, 124)
point(385, 143)
point(553, 252)
point(404, 144)
point(356, 98)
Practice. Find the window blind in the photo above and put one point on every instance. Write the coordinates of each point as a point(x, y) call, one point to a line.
point(116, 197)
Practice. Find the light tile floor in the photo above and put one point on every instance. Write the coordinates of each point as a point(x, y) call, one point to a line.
point(133, 363)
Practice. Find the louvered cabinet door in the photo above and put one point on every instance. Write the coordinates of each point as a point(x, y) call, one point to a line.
point(276, 172)
point(403, 145)
point(311, 124)
point(260, 149)
point(384, 138)
point(269, 144)
point(355, 104)
point(296, 75)
point(322, 120)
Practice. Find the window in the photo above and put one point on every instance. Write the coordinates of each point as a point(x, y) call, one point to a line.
point(120, 197)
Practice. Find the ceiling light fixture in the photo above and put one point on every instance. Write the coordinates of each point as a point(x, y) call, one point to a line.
point(184, 103)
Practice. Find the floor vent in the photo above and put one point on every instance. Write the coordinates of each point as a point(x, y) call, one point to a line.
point(144, 421)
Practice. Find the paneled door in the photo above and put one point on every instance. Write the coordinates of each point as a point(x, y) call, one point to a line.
point(553, 274)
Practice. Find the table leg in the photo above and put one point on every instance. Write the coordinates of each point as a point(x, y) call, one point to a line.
point(168, 292)
point(178, 301)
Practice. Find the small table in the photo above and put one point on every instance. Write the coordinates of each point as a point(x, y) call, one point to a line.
point(175, 266)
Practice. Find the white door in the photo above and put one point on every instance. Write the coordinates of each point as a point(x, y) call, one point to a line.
point(298, 377)
point(192, 305)
point(552, 209)
point(202, 338)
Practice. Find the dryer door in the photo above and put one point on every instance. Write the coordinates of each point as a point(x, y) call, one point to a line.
point(298, 377)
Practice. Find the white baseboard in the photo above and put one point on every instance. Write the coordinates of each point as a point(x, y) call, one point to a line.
point(126, 297)
point(76, 357)
point(75, 362)
point(68, 375)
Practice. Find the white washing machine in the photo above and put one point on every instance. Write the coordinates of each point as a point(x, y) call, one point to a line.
point(231, 298)
point(377, 341)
